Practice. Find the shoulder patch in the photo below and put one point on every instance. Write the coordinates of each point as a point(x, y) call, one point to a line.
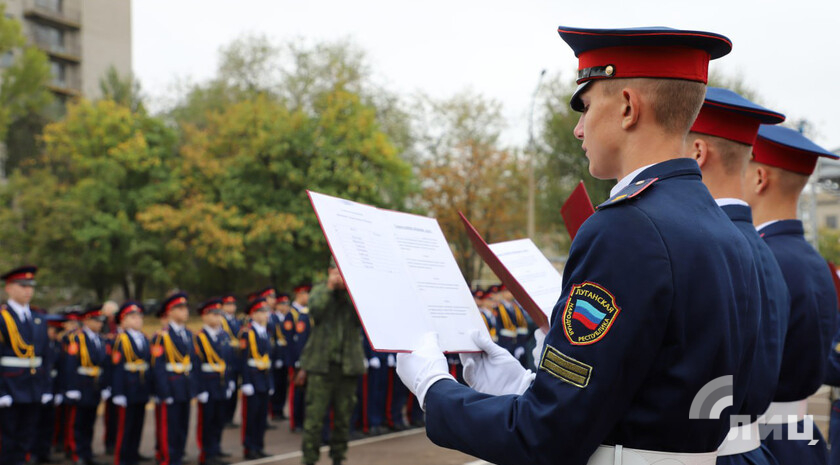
point(628, 192)
point(115, 357)
point(72, 348)
point(157, 350)
point(565, 368)
point(589, 313)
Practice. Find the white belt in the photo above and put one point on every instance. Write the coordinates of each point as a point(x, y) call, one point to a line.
point(208, 368)
point(780, 413)
point(136, 366)
point(260, 365)
point(88, 371)
point(282, 343)
point(179, 367)
point(521, 330)
point(619, 455)
point(740, 439)
point(17, 362)
point(507, 333)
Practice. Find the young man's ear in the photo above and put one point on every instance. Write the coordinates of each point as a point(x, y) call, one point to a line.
point(631, 107)
point(762, 179)
point(699, 150)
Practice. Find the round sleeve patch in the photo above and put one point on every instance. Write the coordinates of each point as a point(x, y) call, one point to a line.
point(157, 350)
point(589, 314)
point(300, 327)
point(72, 348)
point(287, 326)
point(115, 357)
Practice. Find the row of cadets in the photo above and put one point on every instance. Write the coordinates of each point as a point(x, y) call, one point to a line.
point(48, 410)
point(173, 354)
point(23, 376)
point(257, 381)
point(278, 350)
point(131, 381)
point(231, 326)
point(783, 160)
point(299, 326)
point(512, 322)
point(721, 140)
point(85, 381)
point(660, 294)
point(215, 386)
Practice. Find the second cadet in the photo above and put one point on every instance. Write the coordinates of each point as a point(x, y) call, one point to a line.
point(257, 382)
point(231, 326)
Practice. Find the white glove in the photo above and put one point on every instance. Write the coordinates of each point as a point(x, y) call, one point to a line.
point(271, 392)
point(494, 371)
point(120, 401)
point(539, 337)
point(169, 401)
point(518, 352)
point(248, 390)
point(420, 369)
point(203, 397)
point(106, 393)
point(58, 399)
point(375, 363)
point(46, 398)
point(73, 395)
point(297, 364)
point(6, 401)
point(278, 364)
point(392, 362)
point(228, 393)
point(231, 386)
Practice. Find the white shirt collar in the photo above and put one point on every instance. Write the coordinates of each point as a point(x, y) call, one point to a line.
point(89, 332)
point(764, 225)
point(260, 329)
point(626, 180)
point(212, 332)
point(731, 201)
point(22, 310)
point(178, 328)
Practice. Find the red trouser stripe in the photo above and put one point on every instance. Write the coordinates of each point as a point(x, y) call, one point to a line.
point(365, 421)
point(291, 398)
point(71, 423)
point(199, 434)
point(120, 433)
point(164, 435)
point(453, 370)
point(244, 419)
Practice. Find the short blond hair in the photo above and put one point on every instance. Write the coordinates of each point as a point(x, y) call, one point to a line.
point(675, 102)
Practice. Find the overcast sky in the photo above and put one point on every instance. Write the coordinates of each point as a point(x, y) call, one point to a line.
point(788, 51)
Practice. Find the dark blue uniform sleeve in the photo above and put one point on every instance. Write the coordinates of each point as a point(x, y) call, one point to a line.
point(162, 388)
point(607, 329)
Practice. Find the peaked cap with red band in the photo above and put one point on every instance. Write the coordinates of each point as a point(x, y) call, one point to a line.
point(283, 298)
point(650, 52)
point(728, 115)
point(94, 311)
point(787, 149)
point(301, 288)
point(269, 291)
point(173, 301)
point(210, 306)
point(23, 275)
point(257, 305)
point(229, 299)
point(128, 308)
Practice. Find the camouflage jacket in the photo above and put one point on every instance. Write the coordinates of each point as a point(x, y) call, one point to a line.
point(336, 333)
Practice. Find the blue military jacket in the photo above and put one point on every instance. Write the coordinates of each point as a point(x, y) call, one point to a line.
point(775, 309)
point(300, 327)
point(813, 310)
point(23, 346)
point(655, 287)
point(131, 369)
point(85, 358)
point(280, 337)
point(213, 355)
point(173, 365)
point(256, 359)
point(231, 326)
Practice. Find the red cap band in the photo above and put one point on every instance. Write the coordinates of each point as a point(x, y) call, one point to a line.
point(17, 276)
point(229, 300)
point(175, 303)
point(716, 121)
point(129, 309)
point(784, 157)
point(648, 61)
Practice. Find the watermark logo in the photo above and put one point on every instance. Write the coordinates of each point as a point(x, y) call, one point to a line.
point(715, 396)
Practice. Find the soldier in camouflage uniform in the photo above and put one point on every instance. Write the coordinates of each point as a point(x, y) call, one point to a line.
point(332, 360)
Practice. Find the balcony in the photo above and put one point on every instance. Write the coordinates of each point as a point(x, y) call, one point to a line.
point(70, 86)
point(37, 10)
point(68, 51)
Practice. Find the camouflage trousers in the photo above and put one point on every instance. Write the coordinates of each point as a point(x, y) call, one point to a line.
point(323, 391)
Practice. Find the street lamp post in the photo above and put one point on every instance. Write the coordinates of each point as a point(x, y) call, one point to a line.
point(532, 152)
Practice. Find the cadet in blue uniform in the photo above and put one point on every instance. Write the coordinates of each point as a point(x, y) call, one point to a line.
point(721, 141)
point(212, 348)
point(376, 388)
point(173, 355)
point(257, 382)
point(130, 381)
point(656, 284)
point(783, 159)
point(299, 326)
point(84, 380)
point(279, 356)
point(46, 417)
point(231, 326)
point(64, 434)
point(23, 346)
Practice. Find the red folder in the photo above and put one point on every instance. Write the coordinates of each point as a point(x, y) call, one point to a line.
point(577, 208)
point(502, 272)
point(836, 279)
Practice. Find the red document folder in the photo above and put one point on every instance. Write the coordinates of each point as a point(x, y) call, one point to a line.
point(577, 208)
point(836, 279)
point(502, 272)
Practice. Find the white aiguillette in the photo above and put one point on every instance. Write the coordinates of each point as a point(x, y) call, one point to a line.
point(401, 275)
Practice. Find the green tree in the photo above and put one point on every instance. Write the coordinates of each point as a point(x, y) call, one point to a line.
point(124, 90)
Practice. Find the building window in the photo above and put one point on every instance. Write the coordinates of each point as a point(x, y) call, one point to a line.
point(7, 59)
point(59, 74)
point(49, 37)
point(52, 5)
point(831, 221)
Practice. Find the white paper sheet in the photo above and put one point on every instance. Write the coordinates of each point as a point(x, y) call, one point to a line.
point(532, 269)
point(401, 275)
